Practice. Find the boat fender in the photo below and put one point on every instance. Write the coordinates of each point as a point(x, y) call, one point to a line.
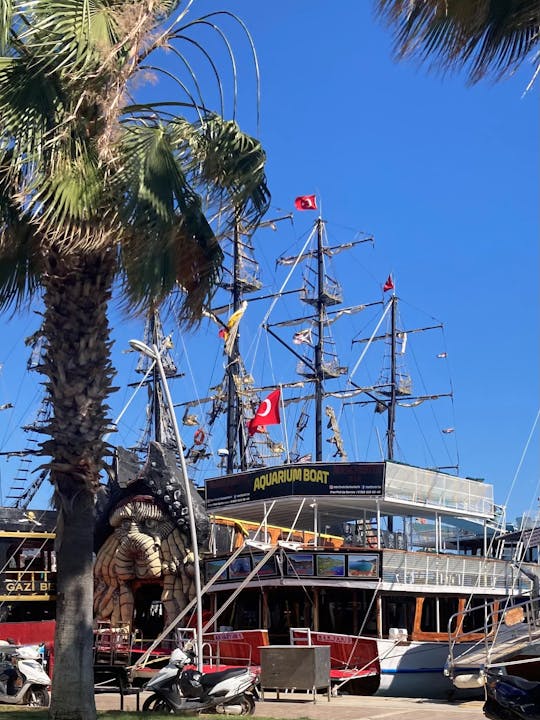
point(199, 436)
point(467, 681)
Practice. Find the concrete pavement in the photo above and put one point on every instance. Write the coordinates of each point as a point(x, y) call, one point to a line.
point(347, 707)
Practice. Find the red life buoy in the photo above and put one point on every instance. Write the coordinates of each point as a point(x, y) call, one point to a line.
point(198, 438)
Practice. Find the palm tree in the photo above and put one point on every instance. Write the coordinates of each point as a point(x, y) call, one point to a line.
point(486, 37)
point(98, 191)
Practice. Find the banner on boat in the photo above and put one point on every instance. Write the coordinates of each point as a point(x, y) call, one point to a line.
point(290, 480)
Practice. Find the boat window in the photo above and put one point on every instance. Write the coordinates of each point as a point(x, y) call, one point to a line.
point(476, 618)
point(222, 538)
point(347, 612)
point(436, 612)
point(398, 612)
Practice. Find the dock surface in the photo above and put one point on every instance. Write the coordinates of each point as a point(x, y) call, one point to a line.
point(345, 707)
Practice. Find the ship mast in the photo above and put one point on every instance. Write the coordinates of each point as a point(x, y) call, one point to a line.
point(156, 405)
point(390, 433)
point(159, 424)
point(395, 384)
point(319, 345)
point(320, 291)
point(234, 431)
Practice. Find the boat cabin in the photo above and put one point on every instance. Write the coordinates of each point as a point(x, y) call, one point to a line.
point(28, 564)
point(387, 554)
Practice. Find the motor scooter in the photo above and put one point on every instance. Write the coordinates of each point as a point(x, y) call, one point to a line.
point(181, 690)
point(23, 681)
point(509, 697)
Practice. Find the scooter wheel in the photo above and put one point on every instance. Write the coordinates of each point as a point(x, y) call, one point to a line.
point(37, 697)
point(246, 705)
point(157, 705)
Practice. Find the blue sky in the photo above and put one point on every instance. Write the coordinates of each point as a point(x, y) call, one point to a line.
point(443, 175)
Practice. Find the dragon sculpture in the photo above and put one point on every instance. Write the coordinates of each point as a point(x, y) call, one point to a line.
point(142, 536)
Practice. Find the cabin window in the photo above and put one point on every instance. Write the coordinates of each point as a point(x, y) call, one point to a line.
point(222, 539)
point(476, 618)
point(436, 612)
point(398, 612)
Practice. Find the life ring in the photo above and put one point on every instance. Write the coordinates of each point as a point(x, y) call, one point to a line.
point(198, 438)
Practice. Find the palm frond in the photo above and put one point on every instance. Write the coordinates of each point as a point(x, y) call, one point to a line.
point(72, 36)
point(150, 177)
point(485, 37)
point(232, 164)
point(6, 11)
point(31, 107)
point(19, 257)
point(167, 238)
point(71, 192)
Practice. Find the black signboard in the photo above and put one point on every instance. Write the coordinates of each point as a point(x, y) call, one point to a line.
point(19, 584)
point(312, 479)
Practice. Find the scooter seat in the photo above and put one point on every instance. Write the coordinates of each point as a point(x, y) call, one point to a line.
point(213, 678)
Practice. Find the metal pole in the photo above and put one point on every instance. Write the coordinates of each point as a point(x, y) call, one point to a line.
point(393, 383)
point(319, 373)
point(191, 514)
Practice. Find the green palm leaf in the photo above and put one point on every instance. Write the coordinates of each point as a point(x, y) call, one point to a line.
point(166, 230)
point(486, 37)
point(6, 11)
point(74, 36)
point(232, 164)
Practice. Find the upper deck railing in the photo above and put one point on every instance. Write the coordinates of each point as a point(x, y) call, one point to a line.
point(438, 490)
point(472, 573)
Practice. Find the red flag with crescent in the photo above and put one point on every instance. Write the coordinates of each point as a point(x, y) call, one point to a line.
point(389, 284)
point(267, 413)
point(305, 202)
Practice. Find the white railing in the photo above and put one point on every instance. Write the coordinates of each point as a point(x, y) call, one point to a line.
point(419, 568)
point(433, 489)
point(500, 631)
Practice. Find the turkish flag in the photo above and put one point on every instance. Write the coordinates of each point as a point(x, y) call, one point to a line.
point(267, 414)
point(389, 284)
point(305, 202)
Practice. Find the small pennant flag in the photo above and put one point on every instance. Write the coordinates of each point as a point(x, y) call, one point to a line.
point(229, 333)
point(305, 202)
point(267, 413)
point(302, 336)
point(389, 284)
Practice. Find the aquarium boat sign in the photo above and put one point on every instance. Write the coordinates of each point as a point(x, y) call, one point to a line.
point(329, 479)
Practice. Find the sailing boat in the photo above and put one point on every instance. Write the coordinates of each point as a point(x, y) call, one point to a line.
point(371, 558)
point(396, 549)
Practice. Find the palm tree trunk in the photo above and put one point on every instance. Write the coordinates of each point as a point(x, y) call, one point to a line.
point(78, 370)
point(73, 683)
